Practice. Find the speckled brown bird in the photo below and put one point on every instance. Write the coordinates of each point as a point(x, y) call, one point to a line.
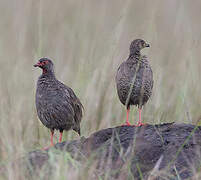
point(134, 79)
point(57, 105)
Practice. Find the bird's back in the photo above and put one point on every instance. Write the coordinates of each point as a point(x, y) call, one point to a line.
point(134, 77)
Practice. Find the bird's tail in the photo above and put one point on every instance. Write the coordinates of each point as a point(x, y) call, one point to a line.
point(77, 129)
point(78, 115)
point(79, 132)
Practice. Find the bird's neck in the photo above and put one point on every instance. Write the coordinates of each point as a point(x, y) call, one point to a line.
point(135, 52)
point(48, 74)
point(135, 55)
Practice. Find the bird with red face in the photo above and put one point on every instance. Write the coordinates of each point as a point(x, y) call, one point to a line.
point(57, 106)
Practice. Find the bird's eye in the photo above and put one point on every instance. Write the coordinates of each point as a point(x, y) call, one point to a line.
point(42, 63)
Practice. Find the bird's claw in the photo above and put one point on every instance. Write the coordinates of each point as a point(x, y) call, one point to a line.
point(140, 124)
point(127, 124)
point(47, 147)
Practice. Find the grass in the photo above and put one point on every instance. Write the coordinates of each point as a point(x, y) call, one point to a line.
point(87, 41)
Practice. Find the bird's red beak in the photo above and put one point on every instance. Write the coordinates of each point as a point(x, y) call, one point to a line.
point(37, 65)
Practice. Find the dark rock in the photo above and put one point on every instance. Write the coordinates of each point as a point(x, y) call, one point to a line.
point(151, 150)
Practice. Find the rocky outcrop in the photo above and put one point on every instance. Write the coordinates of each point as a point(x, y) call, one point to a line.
point(166, 151)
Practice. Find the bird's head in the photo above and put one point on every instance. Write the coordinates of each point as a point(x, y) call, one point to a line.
point(46, 65)
point(137, 45)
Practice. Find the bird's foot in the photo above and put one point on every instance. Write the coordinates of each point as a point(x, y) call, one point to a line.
point(140, 124)
point(127, 124)
point(48, 147)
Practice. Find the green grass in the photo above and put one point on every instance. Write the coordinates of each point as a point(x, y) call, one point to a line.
point(87, 41)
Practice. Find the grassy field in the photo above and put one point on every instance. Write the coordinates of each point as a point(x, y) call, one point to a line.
point(87, 41)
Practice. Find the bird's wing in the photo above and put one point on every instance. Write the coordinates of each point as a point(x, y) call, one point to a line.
point(56, 110)
point(74, 101)
point(146, 74)
point(148, 71)
point(123, 71)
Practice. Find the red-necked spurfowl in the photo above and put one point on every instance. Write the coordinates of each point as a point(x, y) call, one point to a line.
point(134, 79)
point(57, 105)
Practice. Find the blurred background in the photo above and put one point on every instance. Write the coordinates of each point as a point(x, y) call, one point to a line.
point(87, 40)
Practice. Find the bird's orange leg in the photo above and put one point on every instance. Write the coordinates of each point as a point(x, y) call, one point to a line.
point(52, 144)
point(52, 135)
point(60, 136)
point(140, 119)
point(127, 116)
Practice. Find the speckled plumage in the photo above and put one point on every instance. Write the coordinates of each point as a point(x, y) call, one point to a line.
point(134, 78)
point(57, 105)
